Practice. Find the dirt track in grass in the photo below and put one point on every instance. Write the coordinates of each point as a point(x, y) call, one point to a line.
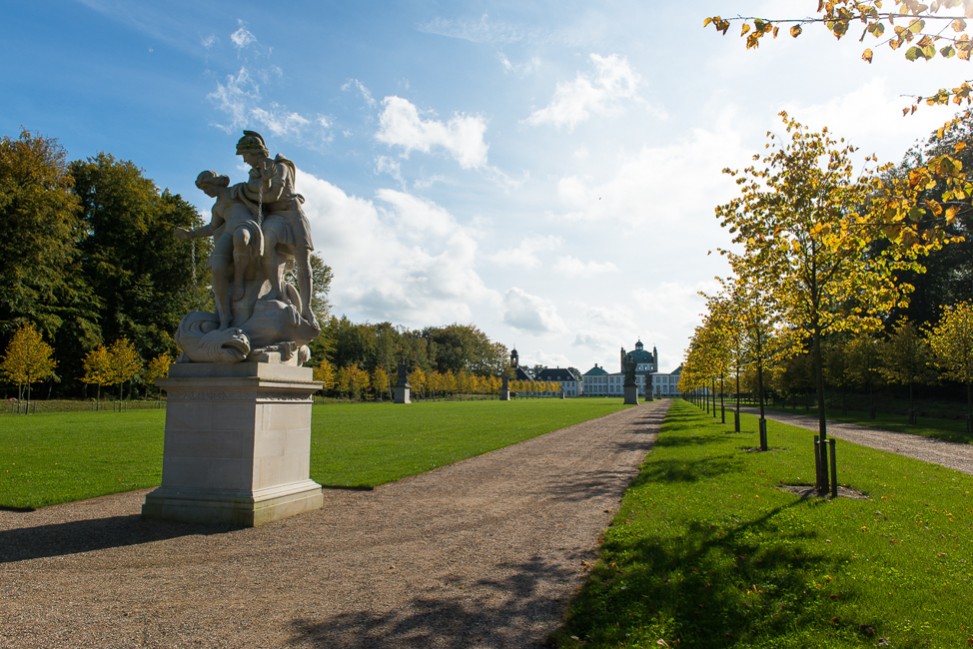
point(483, 553)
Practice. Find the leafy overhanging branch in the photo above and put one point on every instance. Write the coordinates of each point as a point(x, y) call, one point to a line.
point(939, 28)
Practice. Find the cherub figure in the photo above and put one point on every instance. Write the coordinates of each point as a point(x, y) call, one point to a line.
point(238, 243)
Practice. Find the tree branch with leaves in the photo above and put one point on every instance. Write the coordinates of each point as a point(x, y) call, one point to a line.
point(939, 28)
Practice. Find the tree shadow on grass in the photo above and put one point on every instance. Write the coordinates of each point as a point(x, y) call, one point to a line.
point(687, 470)
point(714, 586)
point(515, 610)
point(677, 441)
point(73, 537)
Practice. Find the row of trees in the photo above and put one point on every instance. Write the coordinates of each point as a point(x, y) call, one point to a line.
point(452, 349)
point(825, 250)
point(29, 360)
point(825, 253)
point(356, 383)
point(859, 367)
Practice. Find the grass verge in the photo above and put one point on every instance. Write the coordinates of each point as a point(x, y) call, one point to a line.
point(708, 551)
point(51, 458)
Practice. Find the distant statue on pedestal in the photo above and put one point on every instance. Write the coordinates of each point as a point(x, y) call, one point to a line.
point(631, 388)
point(403, 391)
point(629, 368)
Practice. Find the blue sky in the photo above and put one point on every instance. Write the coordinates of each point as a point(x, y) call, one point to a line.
point(546, 171)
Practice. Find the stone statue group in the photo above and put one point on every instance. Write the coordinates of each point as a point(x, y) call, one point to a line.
point(260, 234)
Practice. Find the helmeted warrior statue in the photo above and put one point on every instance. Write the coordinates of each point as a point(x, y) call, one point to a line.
point(261, 233)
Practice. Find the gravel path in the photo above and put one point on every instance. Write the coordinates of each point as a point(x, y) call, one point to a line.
point(483, 553)
point(949, 454)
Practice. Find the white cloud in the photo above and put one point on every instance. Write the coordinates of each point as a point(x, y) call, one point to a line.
point(479, 30)
point(614, 317)
point(661, 186)
point(596, 341)
point(234, 97)
point(398, 258)
point(242, 38)
point(870, 117)
point(417, 219)
point(462, 136)
point(613, 82)
point(677, 308)
point(525, 254)
point(574, 267)
point(387, 165)
point(279, 120)
point(531, 313)
point(523, 69)
point(355, 84)
point(240, 99)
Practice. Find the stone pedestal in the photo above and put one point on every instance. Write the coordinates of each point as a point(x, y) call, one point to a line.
point(402, 394)
point(505, 395)
point(632, 395)
point(237, 444)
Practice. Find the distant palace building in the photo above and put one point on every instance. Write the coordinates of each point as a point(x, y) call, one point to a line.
point(598, 382)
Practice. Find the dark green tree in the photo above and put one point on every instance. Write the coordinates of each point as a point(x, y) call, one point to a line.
point(142, 276)
point(42, 225)
point(352, 343)
point(949, 271)
point(455, 348)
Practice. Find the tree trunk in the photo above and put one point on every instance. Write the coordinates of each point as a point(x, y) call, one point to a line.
point(822, 446)
point(912, 405)
point(762, 422)
point(722, 404)
point(969, 408)
point(736, 420)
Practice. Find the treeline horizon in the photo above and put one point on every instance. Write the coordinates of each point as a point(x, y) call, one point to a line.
point(90, 260)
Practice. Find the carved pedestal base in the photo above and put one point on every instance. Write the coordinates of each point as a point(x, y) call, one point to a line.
point(237, 445)
point(505, 395)
point(632, 395)
point(402, 394)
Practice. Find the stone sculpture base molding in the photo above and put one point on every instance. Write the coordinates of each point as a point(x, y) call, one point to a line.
point(237, 445)
point(632, 395)
point(238, 508)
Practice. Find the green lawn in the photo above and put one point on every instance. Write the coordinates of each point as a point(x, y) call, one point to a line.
point(707, 551)
point(57, 457)
point(54, 457)
point(365, 445)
